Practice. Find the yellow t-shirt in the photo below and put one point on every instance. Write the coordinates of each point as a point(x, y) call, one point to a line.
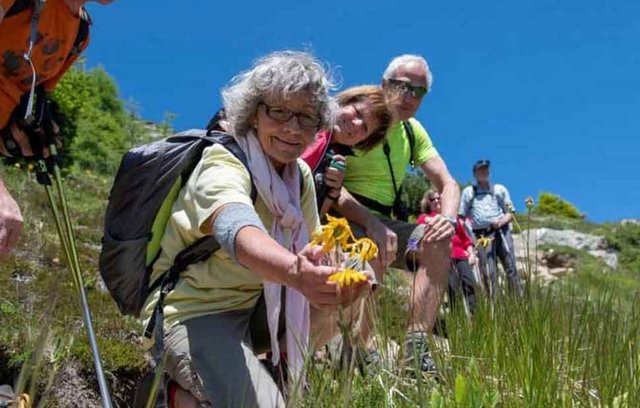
point(219, 284)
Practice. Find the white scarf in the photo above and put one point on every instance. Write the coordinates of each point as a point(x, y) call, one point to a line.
point(281, 194)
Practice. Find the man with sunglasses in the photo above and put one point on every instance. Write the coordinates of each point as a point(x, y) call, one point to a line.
point(489, 206)
point(374, 179)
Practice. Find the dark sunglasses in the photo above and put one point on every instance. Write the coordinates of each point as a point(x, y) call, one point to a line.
point(434, 199)
point(406, 87)
point(283, 115)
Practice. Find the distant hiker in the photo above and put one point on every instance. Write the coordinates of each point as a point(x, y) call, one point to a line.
point(362, 121)
point(39, 41)
point(489, 206)
point(374, 178)
point(463, 254)
point(265, 288)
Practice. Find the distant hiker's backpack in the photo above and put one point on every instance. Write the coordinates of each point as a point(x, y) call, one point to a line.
point(145, 188)
point(492, 193)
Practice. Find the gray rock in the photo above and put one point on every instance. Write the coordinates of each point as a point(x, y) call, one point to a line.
point(595, 245)
point(548, 266)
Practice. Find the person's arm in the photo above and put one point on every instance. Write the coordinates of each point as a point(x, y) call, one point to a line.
point(507, 205)
point(437, 173)
point(10, 221)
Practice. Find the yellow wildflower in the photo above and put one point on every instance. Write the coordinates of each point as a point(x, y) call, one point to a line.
point(484, 242)
point(347, 277)
point(364, 248)
point(335, 232)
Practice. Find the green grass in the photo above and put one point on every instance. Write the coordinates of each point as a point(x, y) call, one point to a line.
point(573, 343)
point(553, 349)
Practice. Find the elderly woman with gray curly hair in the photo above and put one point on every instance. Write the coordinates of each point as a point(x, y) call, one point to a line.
point(266, 288)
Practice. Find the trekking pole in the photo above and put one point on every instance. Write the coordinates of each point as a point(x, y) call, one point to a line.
point(67, 238)
point(48, 167)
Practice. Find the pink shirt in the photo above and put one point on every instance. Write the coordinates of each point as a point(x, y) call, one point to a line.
point(459, 242)
point(315, 151)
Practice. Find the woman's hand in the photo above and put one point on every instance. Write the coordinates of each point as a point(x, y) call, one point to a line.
point(313, 281)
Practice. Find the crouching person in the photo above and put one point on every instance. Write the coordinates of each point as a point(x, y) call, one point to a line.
point(261, 291)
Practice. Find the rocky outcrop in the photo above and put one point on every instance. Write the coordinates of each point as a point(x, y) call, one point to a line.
point(549, 264)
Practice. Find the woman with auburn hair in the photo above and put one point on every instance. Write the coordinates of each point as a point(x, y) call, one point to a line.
point(362, 121)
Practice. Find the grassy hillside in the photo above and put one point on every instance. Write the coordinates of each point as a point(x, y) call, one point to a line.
point(575, 342)
point(571, 343)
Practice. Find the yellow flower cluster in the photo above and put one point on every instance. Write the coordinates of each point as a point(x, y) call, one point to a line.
point(347, 277)
point(483, 242)
point(336, 233)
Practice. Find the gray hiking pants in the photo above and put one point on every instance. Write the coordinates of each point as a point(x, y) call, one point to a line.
point(214, 358)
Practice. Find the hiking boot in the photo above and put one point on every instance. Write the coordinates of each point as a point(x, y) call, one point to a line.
point(417, 355)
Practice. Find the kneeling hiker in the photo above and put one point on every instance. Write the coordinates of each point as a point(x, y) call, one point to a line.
point(265, 286)
point(374, 178)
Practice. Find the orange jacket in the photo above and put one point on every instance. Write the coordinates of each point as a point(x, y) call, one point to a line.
point(52, 53)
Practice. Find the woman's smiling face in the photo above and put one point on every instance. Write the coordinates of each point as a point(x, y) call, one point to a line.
point(355, 123)
point(286, 128)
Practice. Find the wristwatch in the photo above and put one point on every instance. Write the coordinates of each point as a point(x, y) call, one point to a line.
point(452, 220)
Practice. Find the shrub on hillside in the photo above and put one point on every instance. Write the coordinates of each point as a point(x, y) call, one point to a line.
point(625, 239)
point(96, 129)
point(413, 187)
point(551, 204)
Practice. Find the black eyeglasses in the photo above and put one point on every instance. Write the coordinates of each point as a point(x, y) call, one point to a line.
point(406, 87)
point(283, 115)
point(434, 199)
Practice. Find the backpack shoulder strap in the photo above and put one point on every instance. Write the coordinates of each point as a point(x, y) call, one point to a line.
point(232, 146)
point(412, 140)
point(83, 33)
point(498, 198)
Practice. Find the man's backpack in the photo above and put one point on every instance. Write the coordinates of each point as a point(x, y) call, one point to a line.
point(492, 193)
point(148, 182)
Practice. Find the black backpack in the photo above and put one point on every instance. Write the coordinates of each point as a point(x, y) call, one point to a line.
point(148, 182)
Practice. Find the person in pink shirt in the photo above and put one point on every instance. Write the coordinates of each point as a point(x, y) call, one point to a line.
point(462, 253)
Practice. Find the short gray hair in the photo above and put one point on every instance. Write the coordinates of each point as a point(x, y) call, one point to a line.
point(407, 59)
point(279, 76)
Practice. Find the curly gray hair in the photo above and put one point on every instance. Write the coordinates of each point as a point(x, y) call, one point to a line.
point(406, 59)
point(279, 75)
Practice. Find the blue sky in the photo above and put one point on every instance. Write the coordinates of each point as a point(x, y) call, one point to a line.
point(548, 91)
